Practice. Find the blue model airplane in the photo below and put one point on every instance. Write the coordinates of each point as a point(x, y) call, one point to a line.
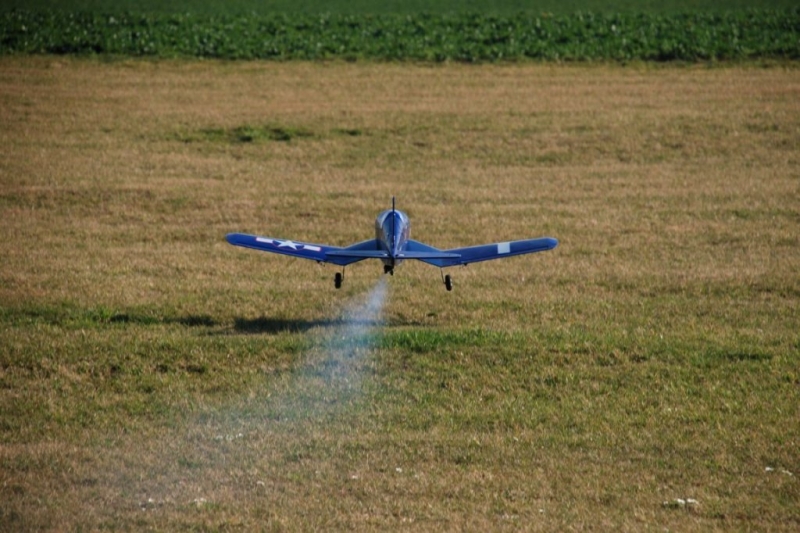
point(392, 246)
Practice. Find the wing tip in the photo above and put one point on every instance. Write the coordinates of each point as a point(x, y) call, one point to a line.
point(234, 238)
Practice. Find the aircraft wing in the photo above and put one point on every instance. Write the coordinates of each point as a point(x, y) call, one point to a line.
point(316, 252)
point(483, 252)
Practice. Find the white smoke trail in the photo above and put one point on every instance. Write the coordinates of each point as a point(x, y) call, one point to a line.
point(326, 385)
point(349, 343)
point(331, 377)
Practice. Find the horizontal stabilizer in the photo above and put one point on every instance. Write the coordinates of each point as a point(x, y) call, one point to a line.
point(361, 254)
point(426, 255)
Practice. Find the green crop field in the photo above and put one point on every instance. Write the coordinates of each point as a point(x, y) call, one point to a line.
point(641, 376)
point(467, 37)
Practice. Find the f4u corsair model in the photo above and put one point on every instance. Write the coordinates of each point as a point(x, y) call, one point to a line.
point(392, 246)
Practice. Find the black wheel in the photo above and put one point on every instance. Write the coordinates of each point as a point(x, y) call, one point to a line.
point(448, 283)
point(337, 280)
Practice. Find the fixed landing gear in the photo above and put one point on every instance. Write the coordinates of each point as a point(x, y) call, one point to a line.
point(338, 278)
point(448, 283)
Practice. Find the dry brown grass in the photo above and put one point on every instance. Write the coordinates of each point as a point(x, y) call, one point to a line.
point(154, 377)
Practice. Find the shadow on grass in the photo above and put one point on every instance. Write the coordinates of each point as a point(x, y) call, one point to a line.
point(73, 317)
point(240, 325)
point(188, 320)
point(68, 316)
point(191, 321)
point(280, 325)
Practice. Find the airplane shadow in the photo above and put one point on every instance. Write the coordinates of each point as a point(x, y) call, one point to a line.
point(258, 325)
point(193, 321)
point(281, 325)
point(241, 325)
point(208, 323)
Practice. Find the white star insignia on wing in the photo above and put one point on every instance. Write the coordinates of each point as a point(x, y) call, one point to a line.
point(287, 244)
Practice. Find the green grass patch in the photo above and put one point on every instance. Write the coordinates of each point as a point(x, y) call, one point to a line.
point(403, 7)
point(432, 340)
point(70, 316)
point(246, 133)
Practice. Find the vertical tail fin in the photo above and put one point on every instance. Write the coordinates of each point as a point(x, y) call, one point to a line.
point(394, 228)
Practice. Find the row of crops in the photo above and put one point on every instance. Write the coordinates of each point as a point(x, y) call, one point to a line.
point(468, 37)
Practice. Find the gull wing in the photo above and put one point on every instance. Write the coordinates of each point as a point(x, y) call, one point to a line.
point(483, 252)
point(322, 253)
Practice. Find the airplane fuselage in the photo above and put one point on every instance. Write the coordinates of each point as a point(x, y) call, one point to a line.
point(392, 230)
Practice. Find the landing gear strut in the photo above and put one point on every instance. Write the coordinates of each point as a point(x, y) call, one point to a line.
point(448, 283)
point(338, 279)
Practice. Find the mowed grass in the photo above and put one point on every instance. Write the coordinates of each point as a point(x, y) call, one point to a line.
point(394, 6)
point(154, 377)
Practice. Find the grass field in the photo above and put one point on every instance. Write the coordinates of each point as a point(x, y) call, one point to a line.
point(396, 6)
point(154, 377)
